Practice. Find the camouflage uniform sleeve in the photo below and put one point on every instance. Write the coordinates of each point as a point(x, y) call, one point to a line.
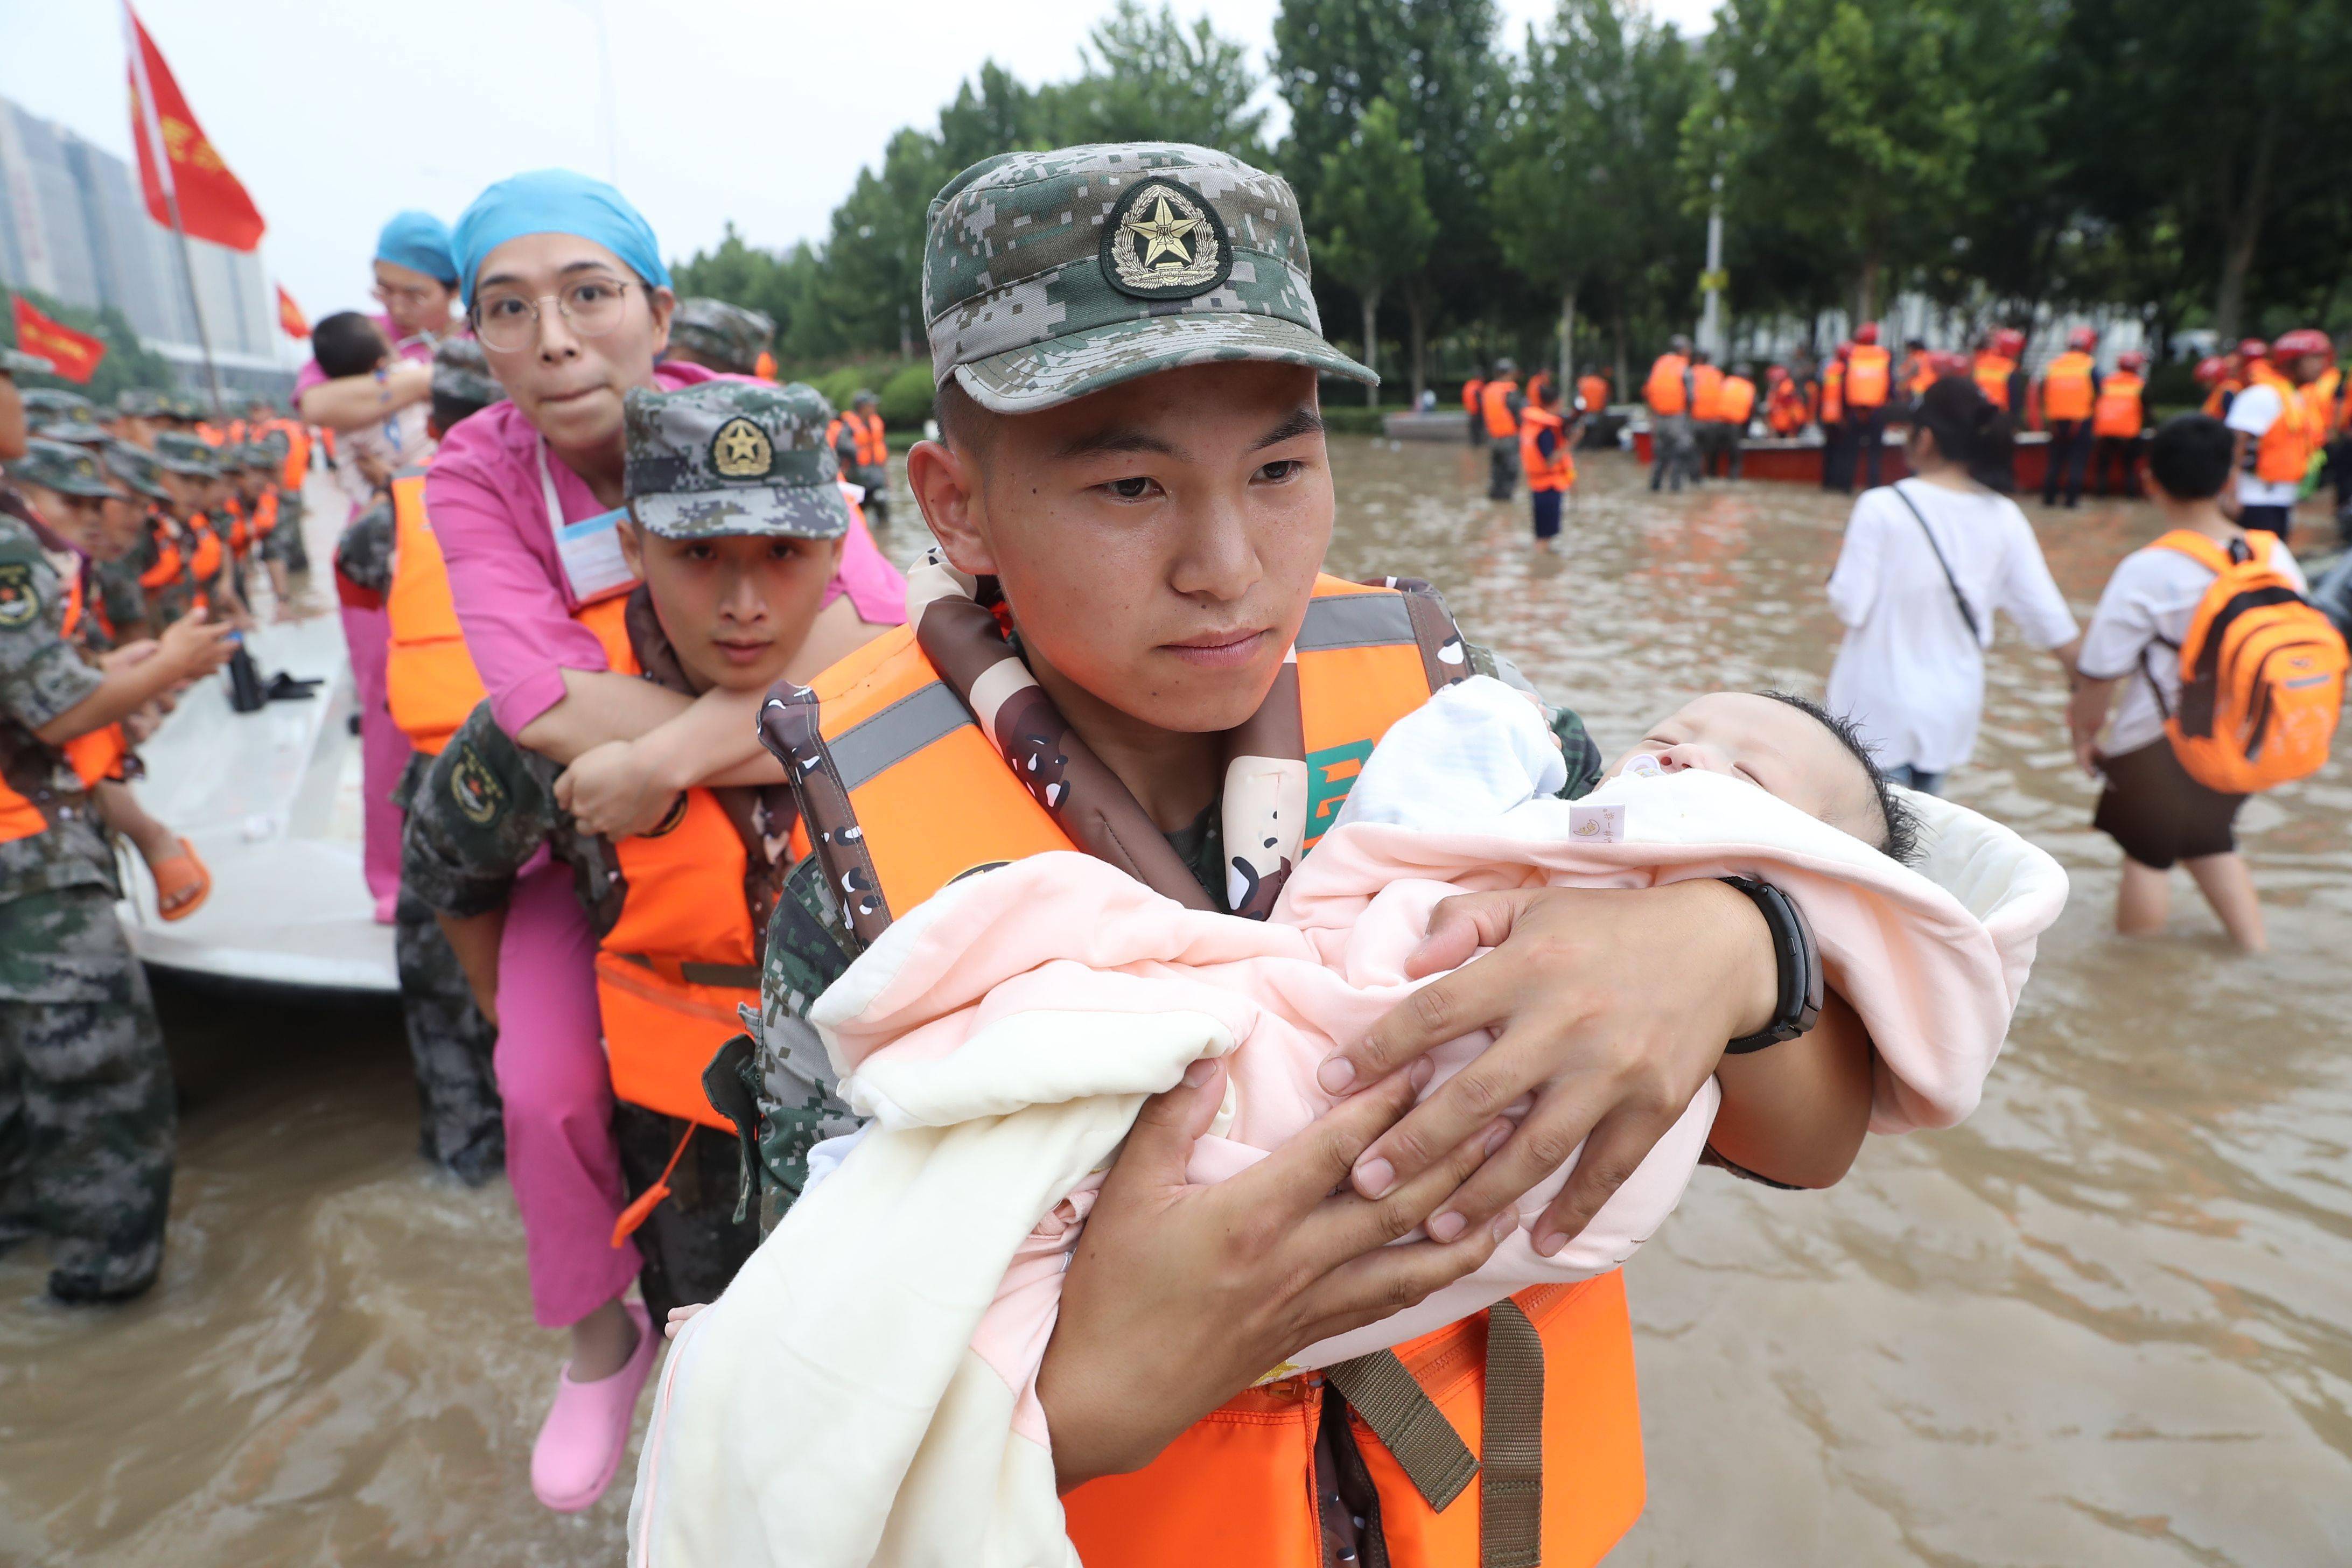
point(41, 674)
point(484, 806)
point(363, 555)
point(118, 586)
point(809, 947)
point(1576, 745)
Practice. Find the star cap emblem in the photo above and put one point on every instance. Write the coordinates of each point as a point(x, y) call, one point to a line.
point(1162, 240)
point(741, 450)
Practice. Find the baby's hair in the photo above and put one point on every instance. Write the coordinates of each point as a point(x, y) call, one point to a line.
point(348, 344)
point(1902, 841)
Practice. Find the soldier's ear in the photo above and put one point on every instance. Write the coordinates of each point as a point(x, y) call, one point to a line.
point(946, 483)
point(633, 544)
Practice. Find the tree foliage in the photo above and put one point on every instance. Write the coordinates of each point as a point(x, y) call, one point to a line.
point(1376, 222)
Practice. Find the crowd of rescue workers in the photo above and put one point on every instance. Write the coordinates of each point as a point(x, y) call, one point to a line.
point(590, 534)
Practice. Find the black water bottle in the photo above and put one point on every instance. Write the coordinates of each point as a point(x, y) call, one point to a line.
point(244, 693)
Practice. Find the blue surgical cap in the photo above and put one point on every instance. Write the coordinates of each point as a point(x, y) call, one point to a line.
point(556, 201)
point(420, 242)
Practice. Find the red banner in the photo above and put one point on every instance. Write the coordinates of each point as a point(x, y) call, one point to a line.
point(213, 204)
point(75, 355)
point(290, 319)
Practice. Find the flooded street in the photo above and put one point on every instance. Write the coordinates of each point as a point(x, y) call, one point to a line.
point(2107, 1321)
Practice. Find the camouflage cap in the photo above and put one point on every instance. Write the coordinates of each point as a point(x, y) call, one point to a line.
point(180, 453)
point(56, 402)
point(731, 456)
point(135, 469)
point(15, 362)
point(1048, 276)
point(461, 373)
point(78, 431)
point(728, 336)
point(141, 403)
point(185, 407)
point(67, 469)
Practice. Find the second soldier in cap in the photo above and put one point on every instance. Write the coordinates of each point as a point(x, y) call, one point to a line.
point(719, 336)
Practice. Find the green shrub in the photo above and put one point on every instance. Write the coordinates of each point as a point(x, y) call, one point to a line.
point(840, 385)
point(907, 399)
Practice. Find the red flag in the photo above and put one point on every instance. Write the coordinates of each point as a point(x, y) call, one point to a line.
point(75, 355)
point(213, 206)
point(290, 319)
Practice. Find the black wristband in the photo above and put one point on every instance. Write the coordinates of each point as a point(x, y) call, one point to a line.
point(1797, 961)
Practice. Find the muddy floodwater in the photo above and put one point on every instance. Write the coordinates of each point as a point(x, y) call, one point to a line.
point(2107, 1321)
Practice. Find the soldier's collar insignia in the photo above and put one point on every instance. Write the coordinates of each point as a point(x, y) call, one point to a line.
point(1164, 241)
point(741, 450)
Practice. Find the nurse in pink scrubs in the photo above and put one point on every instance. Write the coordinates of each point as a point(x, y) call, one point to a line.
point(565, 289)
point(416, 282)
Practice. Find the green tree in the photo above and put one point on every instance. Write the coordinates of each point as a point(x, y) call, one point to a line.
point(1855, 123)
point(1435, 61)
point(871, 280)
point(1147, 77)
point(1376, 222)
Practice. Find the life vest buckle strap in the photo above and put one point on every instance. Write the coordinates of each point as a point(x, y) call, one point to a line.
point(1409, 1424)
point(1510, 1483)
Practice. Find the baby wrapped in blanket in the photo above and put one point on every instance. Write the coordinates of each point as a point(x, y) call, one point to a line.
point(865, 1389)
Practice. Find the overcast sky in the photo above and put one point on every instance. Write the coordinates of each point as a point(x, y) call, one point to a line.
point(337, 113)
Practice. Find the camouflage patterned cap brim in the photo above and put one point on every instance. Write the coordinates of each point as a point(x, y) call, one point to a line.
point(202, 471)
point(15, 362)
point(1062, 370)
point(778, 512)
point(80, 432)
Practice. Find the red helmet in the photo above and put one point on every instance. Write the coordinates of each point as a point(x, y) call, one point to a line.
point(2252, 348)
point(2300, 341)
point(2009, 342)
point(2131, 359)
point(1866, 333)
point(1844, 351)
point(2210, 369)
point(2084, 338)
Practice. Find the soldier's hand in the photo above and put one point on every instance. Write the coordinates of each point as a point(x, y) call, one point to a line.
point(610, 789)
point(129, 654)
point(195, 645)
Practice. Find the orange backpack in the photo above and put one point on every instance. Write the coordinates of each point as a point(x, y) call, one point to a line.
point(2261, 672)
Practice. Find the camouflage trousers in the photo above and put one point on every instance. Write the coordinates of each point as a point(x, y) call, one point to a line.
point(87, 1118)
point(461, 1122)
point(692, 1242)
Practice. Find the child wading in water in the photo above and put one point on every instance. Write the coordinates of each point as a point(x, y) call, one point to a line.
point(2157, 812)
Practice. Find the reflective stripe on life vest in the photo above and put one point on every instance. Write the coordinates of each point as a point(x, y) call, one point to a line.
point(1556, 472)
point(2118, 411)
point(904, 793)
point(2066, 386)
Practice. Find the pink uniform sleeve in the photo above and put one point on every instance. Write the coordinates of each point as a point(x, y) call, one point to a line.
point(517, 628)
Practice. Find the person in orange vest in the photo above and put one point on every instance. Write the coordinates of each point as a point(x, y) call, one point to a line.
point(1918, 371)
point(2235, 370)
point(1499, 401)
point(1472, 420)
point(2278, 432)
point(1869, 388)
point(1668, 393)
point(2066, 394)
point(1999, 372)
point(1785, 412)
point(715, 335)
point(1734, 405)
point(1546, 443)
point(2117, 421)
point(1592, 392)
point(1837, 435)
point(1168, 1444)
point(2212, 371)
point(863, 453)
point(736, 522)
point(1705, 414)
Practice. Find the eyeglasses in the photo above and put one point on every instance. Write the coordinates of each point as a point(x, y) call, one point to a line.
point(509, 322)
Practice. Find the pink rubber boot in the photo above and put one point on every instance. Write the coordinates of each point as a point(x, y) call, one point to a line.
point(587, 1430)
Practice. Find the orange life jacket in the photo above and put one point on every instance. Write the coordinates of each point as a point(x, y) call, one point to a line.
point(204, 560)
point(1868, 374)
point(298, 453)
point(1785, 409)
point(931, 798)
point(1470, 390)
point(2283, 454)
point(2066, 386)
point(430, 681)
point(2118, 411)
point(1556, 472)
point(1706, 394)
point(1918, 375)
point(1494, 407)
point(211, 434)
point(237, 535)
point(1738, 400)
point(169, 563)
point(2216, 401)
point(1834, 392)
point(2261, 672)
point(1992, 373)
point(681, 955)
point(265, 515)
point(1593, 390)
point(1664, 391)
point(867, 432)
point(764, 367)
point(94, 755)
point(2322, 396)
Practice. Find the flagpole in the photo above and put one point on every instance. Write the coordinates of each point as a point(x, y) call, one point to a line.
point(153, 135)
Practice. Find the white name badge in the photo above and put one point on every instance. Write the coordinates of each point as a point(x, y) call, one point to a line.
point(589, 549)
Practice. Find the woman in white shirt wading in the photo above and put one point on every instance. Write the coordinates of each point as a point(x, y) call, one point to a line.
point(1925, 564)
